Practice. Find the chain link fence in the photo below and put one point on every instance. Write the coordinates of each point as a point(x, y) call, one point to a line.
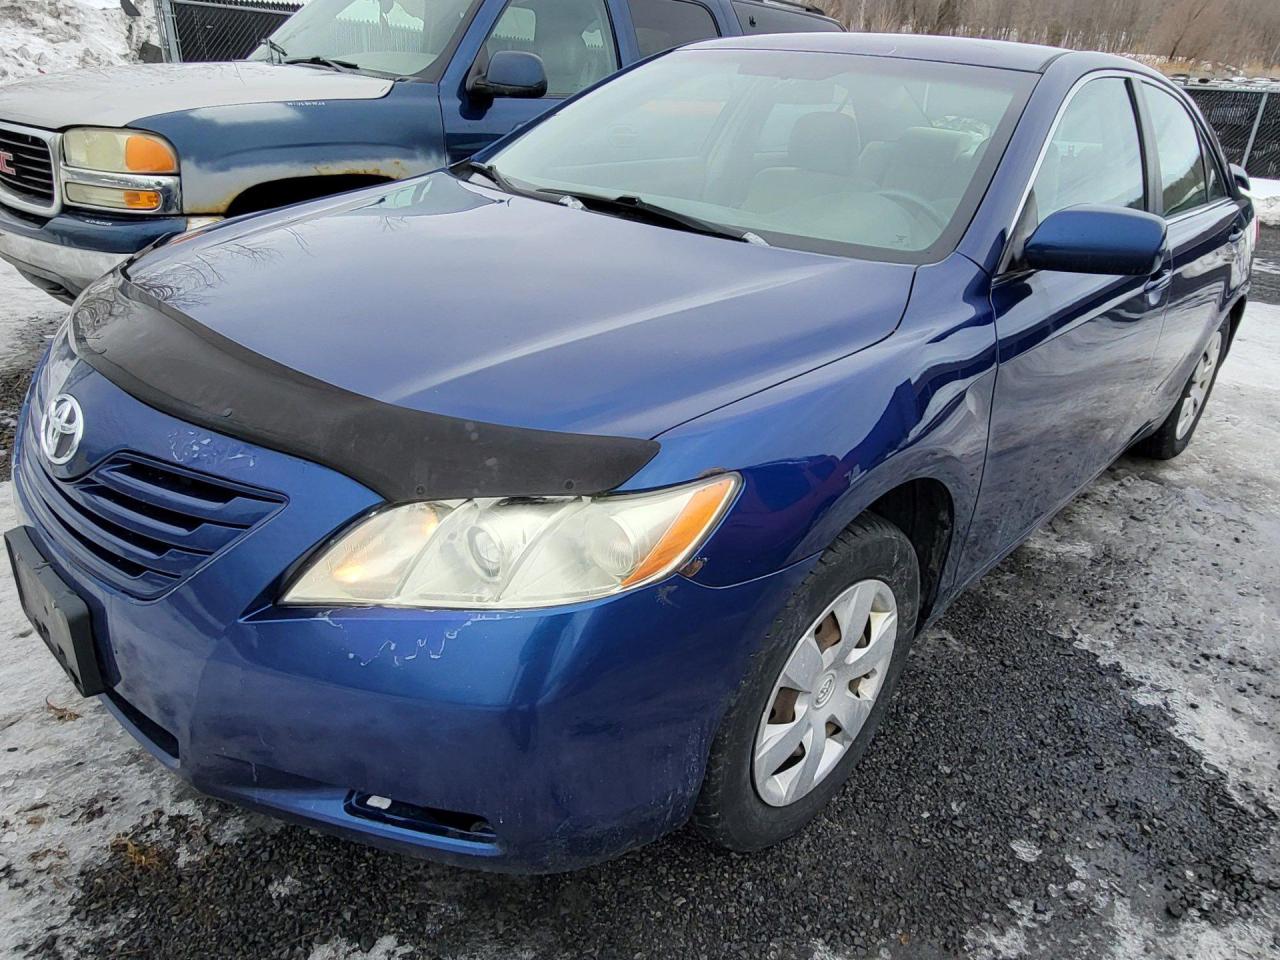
point(203, 30)
point(1247, 121)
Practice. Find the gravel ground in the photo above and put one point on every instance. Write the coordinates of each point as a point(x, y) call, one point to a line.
point(1083, 760)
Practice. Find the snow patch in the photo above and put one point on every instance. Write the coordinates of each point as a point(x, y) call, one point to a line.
point(1025, 850)
point(385, 949)
point(71, 780)
point(49, 36)
point(1251, 939)
point(1266, 200)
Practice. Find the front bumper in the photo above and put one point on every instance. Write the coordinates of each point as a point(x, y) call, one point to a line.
point(69, 251)
point(572, 734)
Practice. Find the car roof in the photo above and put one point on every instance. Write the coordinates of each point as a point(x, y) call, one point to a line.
point(967, 50)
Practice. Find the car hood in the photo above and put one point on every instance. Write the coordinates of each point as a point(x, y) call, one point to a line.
point(119, 96)
point(453, 299)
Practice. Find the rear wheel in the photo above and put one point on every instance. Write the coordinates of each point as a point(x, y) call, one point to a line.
point(815, 695)
point(1176, 432)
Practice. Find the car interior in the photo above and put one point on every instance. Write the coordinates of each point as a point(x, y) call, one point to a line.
point(857, 157)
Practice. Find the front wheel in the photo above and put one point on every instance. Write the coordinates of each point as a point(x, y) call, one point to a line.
point(816, 692)
point(1173, 436)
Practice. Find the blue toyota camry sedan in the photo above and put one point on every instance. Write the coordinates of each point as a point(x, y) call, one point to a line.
point(519, 513)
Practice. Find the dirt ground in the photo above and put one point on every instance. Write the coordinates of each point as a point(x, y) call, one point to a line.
point(1083, 761)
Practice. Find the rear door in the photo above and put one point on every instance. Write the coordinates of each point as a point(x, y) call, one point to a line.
point(576, 39)
point(1205, 224)
point(1074, 349)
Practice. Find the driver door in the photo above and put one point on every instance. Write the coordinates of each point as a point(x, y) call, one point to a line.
point(1075, 350)
point(576, 41)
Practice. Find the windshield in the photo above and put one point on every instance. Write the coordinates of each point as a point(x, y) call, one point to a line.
point(399, 37)
point(835, 153)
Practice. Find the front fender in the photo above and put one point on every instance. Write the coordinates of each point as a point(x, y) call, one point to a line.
point(816, 451)
point(225, 150)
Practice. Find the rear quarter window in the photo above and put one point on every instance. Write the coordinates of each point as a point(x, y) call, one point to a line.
point(663, 24)
point(764, 18)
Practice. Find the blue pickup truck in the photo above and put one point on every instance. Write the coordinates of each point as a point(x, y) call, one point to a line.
point(97, 165)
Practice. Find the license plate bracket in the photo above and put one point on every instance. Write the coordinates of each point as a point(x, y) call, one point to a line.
point(56, 612)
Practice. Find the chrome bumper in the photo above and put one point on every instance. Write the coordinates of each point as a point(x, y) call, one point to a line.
point(73, 268)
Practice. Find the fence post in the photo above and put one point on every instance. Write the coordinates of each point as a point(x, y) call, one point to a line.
point(1253, 134)
point(168, 29)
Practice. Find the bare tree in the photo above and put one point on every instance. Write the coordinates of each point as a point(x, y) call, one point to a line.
point(1239, 33)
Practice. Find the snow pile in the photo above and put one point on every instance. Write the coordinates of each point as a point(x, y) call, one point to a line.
point(1266, 199)
point(50, 36)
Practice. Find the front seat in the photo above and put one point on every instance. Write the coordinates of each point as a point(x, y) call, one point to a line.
point(822, 155)
point(929, 162)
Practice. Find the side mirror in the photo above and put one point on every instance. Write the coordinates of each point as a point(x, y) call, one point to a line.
point(510, 73)
point(1095, 239)
point(1241, 177)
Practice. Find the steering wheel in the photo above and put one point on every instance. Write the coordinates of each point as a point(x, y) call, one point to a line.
point(913, 204)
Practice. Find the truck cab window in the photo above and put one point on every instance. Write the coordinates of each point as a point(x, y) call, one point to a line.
point(574, 38)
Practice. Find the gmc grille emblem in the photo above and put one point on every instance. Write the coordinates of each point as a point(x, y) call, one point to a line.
point(6, 163)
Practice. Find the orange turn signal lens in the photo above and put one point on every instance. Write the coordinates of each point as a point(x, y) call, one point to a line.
point(149, 155)
point(141, 199)
point(694, 522)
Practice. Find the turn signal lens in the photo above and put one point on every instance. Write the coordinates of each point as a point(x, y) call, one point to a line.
point(694, 521)
point(89, 195)
point(512, 554)
point(117, 151)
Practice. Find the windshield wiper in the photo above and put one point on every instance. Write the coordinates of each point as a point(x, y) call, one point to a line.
point(278, 53)
point(342, 66)
point(656, 213)
point(490, 172)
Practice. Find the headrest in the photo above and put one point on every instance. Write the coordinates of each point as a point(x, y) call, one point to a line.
point(936, 144)
point(827, 142)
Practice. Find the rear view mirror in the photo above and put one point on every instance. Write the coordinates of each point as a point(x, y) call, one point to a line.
point(510, 73)
point(1095, 239)
point(1241, 177)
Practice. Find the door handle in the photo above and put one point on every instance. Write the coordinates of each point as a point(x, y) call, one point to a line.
point(1235, 234)
point(1160, 281)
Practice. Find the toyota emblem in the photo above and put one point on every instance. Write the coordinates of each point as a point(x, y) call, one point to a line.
point(62, 429)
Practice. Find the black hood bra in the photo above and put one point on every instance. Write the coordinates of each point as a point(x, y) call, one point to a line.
point(174, 364)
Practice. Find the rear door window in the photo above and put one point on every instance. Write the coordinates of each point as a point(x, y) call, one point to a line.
point(1178, 148)
point(760, 18)
point(663, 24)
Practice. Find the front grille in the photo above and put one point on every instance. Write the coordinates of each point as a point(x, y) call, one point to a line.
point(32, 163)
point(139, 525)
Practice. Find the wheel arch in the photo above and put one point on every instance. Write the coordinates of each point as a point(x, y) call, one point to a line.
point(924, 510)
point(1236, 314)
point(273, 194)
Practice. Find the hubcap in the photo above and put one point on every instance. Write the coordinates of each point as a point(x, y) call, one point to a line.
point(1201, 380)
point(825, 692)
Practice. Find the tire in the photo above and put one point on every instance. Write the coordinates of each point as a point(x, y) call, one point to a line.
point(1173, 436)
point(731, 809)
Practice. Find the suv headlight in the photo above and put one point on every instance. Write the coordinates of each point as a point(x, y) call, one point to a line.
point(119, 170)
point(514, 554)
point(118, 151)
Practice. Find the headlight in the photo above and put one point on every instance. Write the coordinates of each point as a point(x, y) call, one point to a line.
point(118, 151)
point(514, 553)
